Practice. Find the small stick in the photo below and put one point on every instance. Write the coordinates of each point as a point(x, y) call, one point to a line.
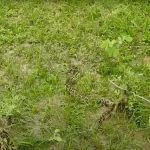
point(141, 97)
point(117, 86)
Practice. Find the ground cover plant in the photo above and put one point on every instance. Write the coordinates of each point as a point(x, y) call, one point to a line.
point(110, 42)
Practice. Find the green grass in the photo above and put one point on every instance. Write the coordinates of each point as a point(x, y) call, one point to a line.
point(38, 40)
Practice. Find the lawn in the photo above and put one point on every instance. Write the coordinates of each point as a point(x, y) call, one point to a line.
point(40, 39)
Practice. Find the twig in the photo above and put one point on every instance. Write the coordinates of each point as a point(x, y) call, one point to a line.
point(141, 97)
point(117, 86)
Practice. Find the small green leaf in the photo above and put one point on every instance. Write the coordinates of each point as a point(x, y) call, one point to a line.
point(51, 139)
point(57, 138)
point(112, 52)
point(116, 53)
point(129, 39)
point(120, 41)
point(57, 130)
point(123, 37)
point(105, 44)
point(111, 43)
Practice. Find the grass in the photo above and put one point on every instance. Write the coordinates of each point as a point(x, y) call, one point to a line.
point(38, 40)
